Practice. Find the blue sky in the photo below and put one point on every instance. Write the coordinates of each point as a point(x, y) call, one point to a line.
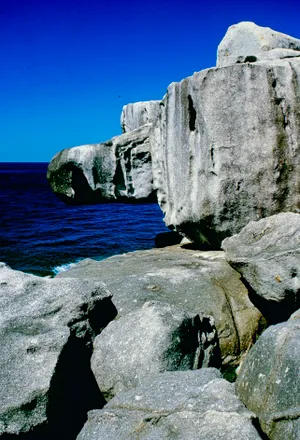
point(68, 66)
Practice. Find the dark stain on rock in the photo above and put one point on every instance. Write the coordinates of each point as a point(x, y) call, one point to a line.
point(192, 114)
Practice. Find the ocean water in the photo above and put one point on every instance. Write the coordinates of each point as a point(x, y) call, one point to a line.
point(40, 234)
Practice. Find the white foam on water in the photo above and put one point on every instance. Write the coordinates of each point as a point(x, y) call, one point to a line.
point(63, 267)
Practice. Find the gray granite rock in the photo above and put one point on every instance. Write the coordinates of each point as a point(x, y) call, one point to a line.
point(195, 281)
point(226, 148)
point(185, 405)
point(137, 114)
point(267, 255)
point(247, 42)
point(155, 338)
point(269, 381)
point(46, 329)
point(276, 54)
point(119, 169)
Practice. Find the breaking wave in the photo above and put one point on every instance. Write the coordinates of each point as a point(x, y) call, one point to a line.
point(63, 267)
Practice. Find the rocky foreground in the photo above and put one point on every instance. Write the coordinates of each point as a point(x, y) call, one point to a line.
point(148, 352)
point(153, 353)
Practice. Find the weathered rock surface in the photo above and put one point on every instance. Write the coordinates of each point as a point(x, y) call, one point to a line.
point(267, 254)
point(46, 329)
point(231, 137)
point(119, 169)
point(195, 281)
point(269, 382)
point(155, 338)
point(247, 42)
point(185, 405)
point(137, 114)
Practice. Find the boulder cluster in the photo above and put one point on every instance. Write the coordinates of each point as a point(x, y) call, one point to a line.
point(191, 341)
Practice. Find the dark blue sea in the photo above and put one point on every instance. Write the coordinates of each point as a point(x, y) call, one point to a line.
point(41, 235)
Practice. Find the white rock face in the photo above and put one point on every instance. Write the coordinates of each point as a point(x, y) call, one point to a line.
point(114, 170)
point(225, 148)
point(137, 114)
point(247, 42)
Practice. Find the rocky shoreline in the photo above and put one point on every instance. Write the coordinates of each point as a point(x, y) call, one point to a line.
point(147, 345)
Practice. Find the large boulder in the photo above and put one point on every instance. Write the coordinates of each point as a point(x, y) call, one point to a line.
point(267, 255)
point(195, 281)
point(269, 382)
point(155, 338)
point(137, 114)
point(182, 405)
point(116, 170)
point(247, 42)
point(226, 148)
point(47, 328)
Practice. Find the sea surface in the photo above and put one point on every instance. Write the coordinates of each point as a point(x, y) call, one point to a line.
point(39, 234)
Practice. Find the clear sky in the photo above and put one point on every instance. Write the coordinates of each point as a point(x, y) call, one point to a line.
point(68, 66)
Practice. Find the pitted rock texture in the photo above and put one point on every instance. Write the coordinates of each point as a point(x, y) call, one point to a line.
point(47, 328)
point(137, 114)
point(155, 338)
point(226, 148)
point(269, 383)
point(117, 170)
point(195, 281)
point(267, 255)
point(182, 405)
point(246, 42)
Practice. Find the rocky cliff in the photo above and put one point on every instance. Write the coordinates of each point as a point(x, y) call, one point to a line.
point(117, 170)
point(137, 114)
point(231, 137)
point(225, 148)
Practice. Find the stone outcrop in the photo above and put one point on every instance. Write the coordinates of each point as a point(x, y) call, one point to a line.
point(46, 328)
point(225, 148)
point(195, 281)
point(116, 170)
point(155, 338)
point(137, 114)
point(186, 405)
point(246, 42)
point(268, 383)
point(267, 255)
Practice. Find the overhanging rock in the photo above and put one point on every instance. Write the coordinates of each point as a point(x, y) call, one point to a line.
point(225, 148)
point(117, 170)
